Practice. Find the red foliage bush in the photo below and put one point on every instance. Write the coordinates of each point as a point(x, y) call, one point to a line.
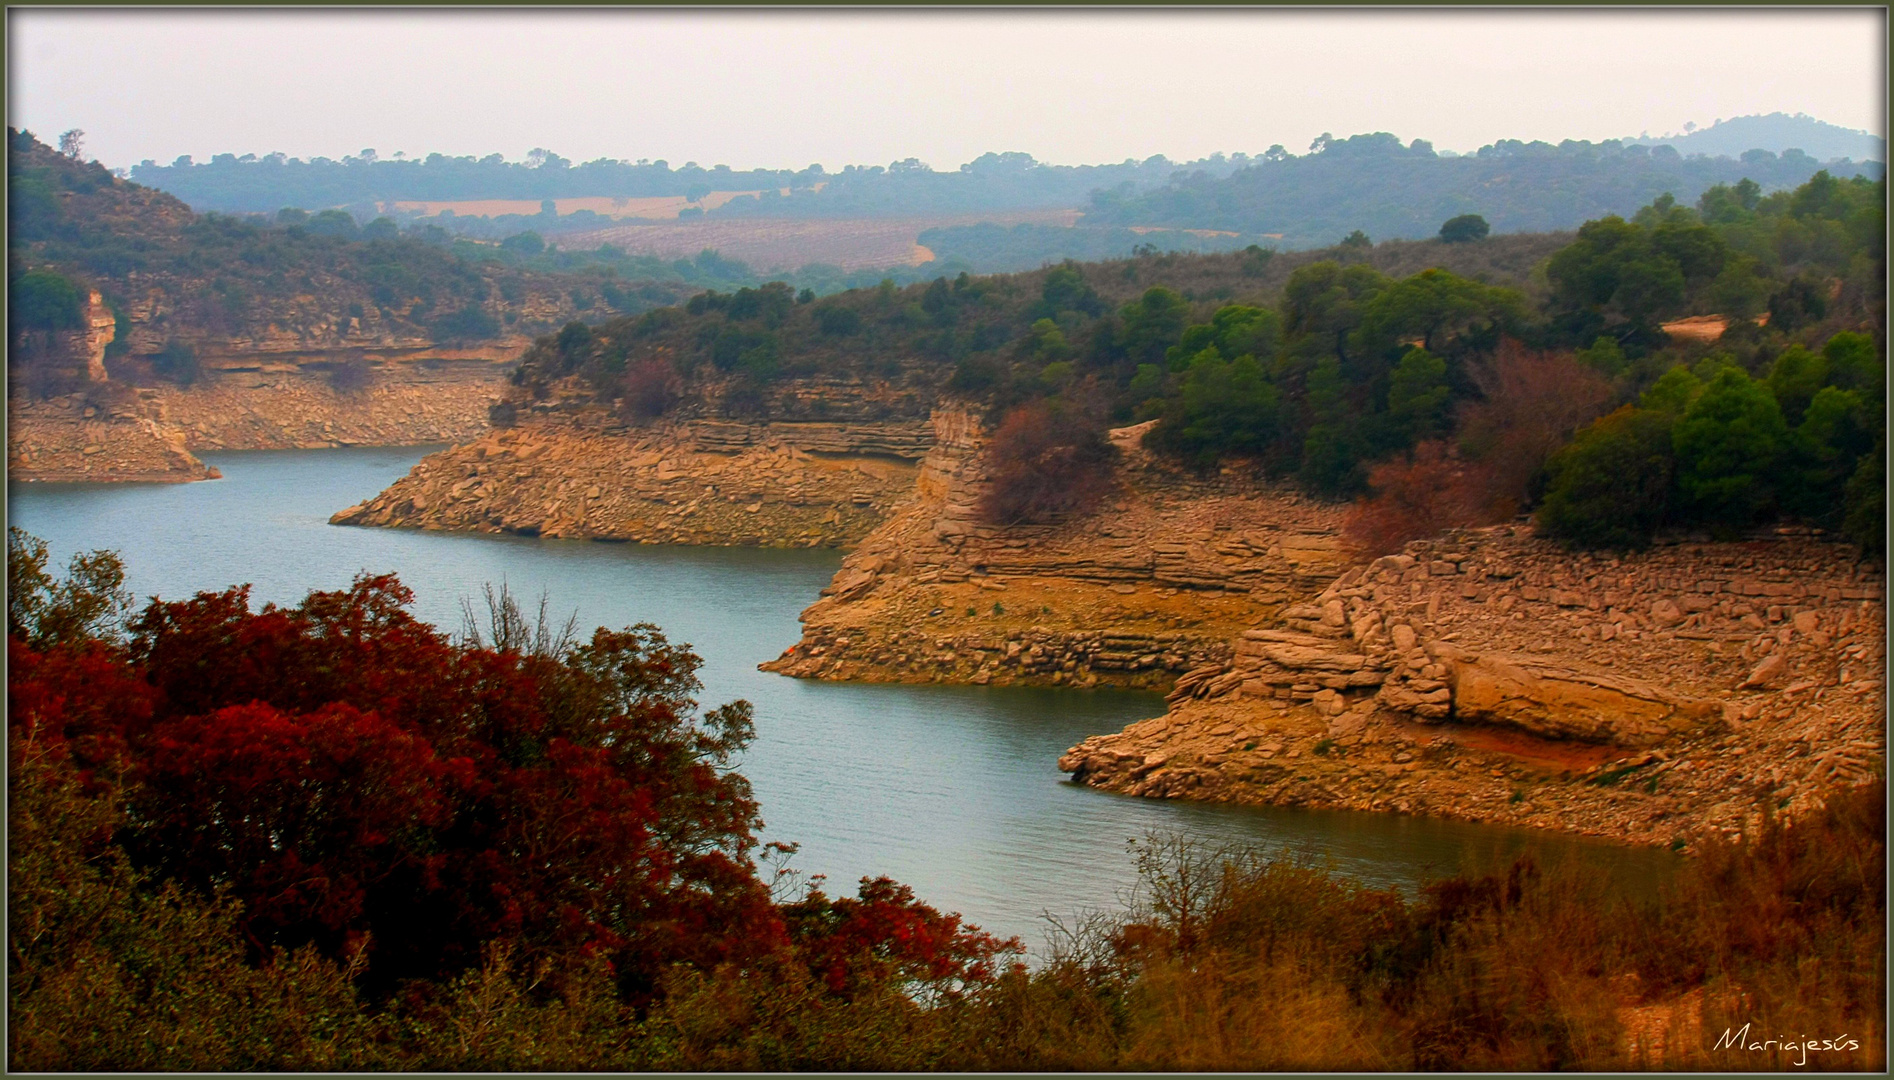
point(1530, 404)
point(885, 935)
point(650, 388)
point(1416, 497)
point(1045, 461)
point(355, 780)
point(349, 774)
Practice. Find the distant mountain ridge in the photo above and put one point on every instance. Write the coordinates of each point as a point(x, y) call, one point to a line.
point(1378, 185)
point(1775, 132)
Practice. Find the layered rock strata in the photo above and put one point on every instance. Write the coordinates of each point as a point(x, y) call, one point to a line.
point(113, 431)
point(77, 439)
point(1492, 676)
point(1151, 585)
point(291, 406)
point(715, 482)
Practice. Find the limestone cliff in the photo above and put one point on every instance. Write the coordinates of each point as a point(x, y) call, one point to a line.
point(1151, 585)
point(1493, 676)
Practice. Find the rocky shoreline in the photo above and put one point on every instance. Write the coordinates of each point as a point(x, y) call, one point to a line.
point(1152, 585)
point(287, 407)
point(585, 475)
point(1491, 676)
point(69, 439)
point(111, 432)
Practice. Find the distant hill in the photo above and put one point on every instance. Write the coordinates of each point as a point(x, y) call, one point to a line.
point(368, 185)
point(173, 278)
point(1775, 132)
point(1376, 184)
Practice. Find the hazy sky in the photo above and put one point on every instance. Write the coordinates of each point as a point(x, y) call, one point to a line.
point(788, 88)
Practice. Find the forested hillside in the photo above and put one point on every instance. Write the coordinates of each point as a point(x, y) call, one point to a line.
point(191, 278)
point(1388, 190)
point(1438, 377)
point(991, 182)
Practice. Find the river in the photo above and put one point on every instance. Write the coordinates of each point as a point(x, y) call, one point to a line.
point(952, 790)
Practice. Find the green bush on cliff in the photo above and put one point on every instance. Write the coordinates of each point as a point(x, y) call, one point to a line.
point(42, 300)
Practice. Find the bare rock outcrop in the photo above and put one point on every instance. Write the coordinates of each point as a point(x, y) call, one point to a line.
point(285, 406)
point(1149, 586)
point(1493, 676)
point(80, 438)
point(586, 474)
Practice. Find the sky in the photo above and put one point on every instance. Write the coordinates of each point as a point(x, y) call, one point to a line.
point(785, 89)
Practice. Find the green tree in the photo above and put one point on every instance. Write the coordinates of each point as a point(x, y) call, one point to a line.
point(1322, 303)
point(1331, 451)
point(1221, 407)
point(1673, 392)
point(1837, 428)
point(527, 243)
point(1729, 445)
point(1795, 378)
point(90, 604)
point(42, 300)
point(1152, 323)
point(1610, 486)
point(1604, 356)
point(1433, 305)
point(1865, 506)
point(1855, 363)
point(1619, 272)
point(1045, 343)
point(1418, 398)
point(1464, 229)
point(1235, 330)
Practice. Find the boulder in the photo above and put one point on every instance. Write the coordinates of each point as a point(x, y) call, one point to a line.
point(1557, 703)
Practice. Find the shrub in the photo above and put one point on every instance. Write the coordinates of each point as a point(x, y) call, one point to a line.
point(1610, 488)
point(469, 323)
point(352, 375)
point(1045, 461)
point(44, 300)
point(1415, 497)
point(650, 388)
point(836, 320)
point(178, 363)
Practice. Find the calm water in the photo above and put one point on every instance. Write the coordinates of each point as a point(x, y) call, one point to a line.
point(952, 790)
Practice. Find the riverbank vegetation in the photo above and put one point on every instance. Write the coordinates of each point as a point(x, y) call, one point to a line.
point(331, 837)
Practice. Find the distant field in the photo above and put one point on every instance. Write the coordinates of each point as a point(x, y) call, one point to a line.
point(658, 208)
point(777, 244)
